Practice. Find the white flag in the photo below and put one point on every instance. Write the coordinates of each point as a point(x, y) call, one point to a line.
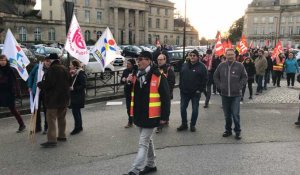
point(105, 50)
point(34, 103)
point(75, 43)
point(15, 55)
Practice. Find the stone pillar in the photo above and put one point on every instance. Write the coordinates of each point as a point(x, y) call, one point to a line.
point(146, 27)
point(126, 34)
point(137, 33)
point(116, 26)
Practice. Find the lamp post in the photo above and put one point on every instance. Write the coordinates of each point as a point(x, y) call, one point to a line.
point(184, 29)
point(69, 8)
point(276, 30)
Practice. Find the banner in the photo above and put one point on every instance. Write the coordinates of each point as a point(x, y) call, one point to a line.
point(15, 55)
point(242, 46)
point(34, 101)
point(105, 50)
point(277, 50)
point(75, 43)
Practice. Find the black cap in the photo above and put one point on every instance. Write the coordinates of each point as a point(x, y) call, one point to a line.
point(52, 56)
point(195, 52)
point(146, 54)
point(208, 51)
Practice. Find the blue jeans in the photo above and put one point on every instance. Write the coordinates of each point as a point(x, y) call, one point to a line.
point(259, 81)
point(231, 108)
point(184, 103)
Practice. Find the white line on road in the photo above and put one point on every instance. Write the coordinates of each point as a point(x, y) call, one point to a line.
point(114, 103)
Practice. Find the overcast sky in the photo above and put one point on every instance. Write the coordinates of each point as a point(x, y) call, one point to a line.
point(208, 16)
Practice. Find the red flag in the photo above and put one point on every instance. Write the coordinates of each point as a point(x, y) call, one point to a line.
point(251, 45)
point(277, 50)
point(242, 46)
point(267, 43)
point(219, 49)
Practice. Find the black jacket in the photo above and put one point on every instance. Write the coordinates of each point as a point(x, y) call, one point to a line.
point(8, 86)
point(141, 101)
point(193, 77)
point(127, 87)
point(270, 64)
point(170, 75)
point(250, 69)
point(78, 92)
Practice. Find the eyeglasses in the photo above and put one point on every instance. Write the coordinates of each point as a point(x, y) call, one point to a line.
point(192, 55)
point(160, 59)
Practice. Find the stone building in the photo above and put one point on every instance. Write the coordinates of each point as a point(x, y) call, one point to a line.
point(131, 22)
point(272, 20)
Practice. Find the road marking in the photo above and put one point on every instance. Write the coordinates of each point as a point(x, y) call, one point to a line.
point(175, 102)
point(114, 103)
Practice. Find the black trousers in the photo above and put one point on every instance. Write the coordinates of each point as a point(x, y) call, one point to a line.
point(38, 116)
point(249, 87)
point(290, 77)
point(77, 117)
point(276, 77)
point(127, 96)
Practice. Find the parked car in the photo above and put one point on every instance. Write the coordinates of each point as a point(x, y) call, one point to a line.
point(42, 52)
point(176, 58)
point(94, 67)
point(131, 51)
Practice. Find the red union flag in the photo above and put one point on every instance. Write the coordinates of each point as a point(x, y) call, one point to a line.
point(242, 46)
point(277, 50)
point(219, 49)
point(75, 43)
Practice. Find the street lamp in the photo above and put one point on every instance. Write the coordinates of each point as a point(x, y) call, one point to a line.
point(276, 30)
point(184, 29)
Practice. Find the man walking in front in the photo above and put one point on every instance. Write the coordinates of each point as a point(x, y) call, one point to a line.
point(230, 77)
point(193, 79)
point(56, 87)
point(149, 107)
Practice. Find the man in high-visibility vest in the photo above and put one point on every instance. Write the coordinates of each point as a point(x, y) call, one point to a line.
point(149, 106)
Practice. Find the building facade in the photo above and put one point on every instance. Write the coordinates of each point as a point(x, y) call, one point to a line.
point(273, 20)
point(131, 22)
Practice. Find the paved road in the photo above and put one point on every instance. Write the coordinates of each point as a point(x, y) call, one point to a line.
point(270, 143)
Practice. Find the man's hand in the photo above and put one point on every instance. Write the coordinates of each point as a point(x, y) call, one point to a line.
point(162, 122)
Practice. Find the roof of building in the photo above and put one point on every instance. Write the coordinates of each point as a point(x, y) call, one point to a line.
point(7, 7)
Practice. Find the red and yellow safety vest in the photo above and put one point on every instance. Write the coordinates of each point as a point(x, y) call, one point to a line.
point(154, 97)
point(279, 65)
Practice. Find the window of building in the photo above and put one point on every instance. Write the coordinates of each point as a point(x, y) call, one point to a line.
point(151, 10)
point(99, 17)
point(75, 1)
point(298, 30)
point(290, 30)
point(22, 34)
point(87, 3)
point(149, 39)
point(87, 35)
point(255, 20)
point(157, 23)
point(150, 22)
point(75, 13)
point(51, 34)
point(282, 30)
point(158, 11)
point(283, 19)
point(99, 3)
point(298, 19)
point(37, 34)
point(165, 39)
point(290, 19)
point(271, 19)
point(166, 12)
point(191, 41)
point(263, 20)
point(166, 24)
point(177, 40)
point(99, 33)
point(263, 30)
point(50, 15)
point(50, 2)
point(87, 16)
point(255, 31)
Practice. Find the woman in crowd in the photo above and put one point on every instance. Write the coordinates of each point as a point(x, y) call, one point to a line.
point(9, 90)
point(291, 68)
point(131, 67)
point(77, 94)
point(250, 68)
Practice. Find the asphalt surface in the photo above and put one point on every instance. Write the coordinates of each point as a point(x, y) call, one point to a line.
point(270, 143)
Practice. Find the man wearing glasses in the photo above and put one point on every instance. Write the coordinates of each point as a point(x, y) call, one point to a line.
point(230, 77)
point(193, 79)
point(149, 107)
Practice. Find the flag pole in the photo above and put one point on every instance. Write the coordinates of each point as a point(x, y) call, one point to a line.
point(184, 29)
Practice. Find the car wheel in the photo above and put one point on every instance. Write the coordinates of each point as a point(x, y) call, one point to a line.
point(107, 74)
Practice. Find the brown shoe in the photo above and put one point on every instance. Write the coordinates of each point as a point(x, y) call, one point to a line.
point(128, 125)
